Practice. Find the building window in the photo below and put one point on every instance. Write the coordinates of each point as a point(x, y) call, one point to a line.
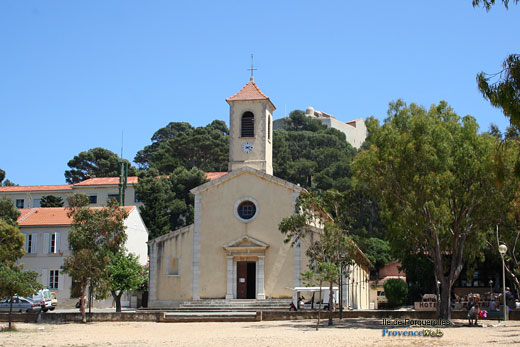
point(19, 203)
point(136, 198)
point(269, 128)
point(52, 246)
point(37, 203)
point(248, 125)
point(92, 199)
point(173, 266)
point(29, 243)
point(246, 210)
point(53, 279)
point(113, 196)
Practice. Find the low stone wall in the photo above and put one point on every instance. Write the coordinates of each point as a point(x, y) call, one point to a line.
point(156, 316)
point(20, 317)
point(378, 314)
point(75, 317)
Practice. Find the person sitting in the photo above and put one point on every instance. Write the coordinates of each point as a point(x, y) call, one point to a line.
point(492, 305)
point(473, 314)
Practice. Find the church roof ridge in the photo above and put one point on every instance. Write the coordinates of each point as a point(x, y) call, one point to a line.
point(234, 173)
point(170, 234)
point(250, 92)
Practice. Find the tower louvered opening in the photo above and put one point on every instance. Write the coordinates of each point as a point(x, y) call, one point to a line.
point(248, 125)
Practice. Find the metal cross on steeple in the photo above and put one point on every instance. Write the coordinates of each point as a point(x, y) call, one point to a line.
point(252, 69)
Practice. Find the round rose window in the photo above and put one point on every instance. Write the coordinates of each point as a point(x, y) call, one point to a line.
point(246, 209)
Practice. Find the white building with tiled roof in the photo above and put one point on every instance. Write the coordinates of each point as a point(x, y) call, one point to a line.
point(98, 189)
point(46, 232)
point(354, 130)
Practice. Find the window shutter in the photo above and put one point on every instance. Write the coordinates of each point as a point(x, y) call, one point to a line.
point(58, 243)
point(45, 277)
point(60, 280)
point(34, 243)
point(26, 241)
point(46, 244)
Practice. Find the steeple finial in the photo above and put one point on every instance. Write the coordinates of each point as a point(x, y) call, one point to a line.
point(252, 78)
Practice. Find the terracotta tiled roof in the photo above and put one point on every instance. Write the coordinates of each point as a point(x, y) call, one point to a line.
point(214, 175)
point(353, 122)
point(24, 212)
point(105, 181)
point(250, 92)
point(51, 216)
point(95, 181)
point(36, 188)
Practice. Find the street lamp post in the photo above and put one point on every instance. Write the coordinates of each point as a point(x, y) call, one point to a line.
point(341, 292)
point(503, 249)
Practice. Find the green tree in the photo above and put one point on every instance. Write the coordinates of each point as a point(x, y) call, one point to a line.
point(14, 281)
point(51, 201)
point(420, 276)
point(396, 291)
point(377, 250)
point(96, 162)
point(180, 144)
point(507, 208)
point(11, 243)
point(328, 250)
point(125, 274)
point(487, 4)
point(95, 234)
point(8, 183)
point(432, 173)
point(504, 92)
point(167, 201)
point(5, 183)
point(8, 211)
point(307, 153)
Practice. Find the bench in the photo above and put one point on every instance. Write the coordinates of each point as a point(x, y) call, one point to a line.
point(495, 315)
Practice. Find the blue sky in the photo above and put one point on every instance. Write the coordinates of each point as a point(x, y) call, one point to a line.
point(74, 75)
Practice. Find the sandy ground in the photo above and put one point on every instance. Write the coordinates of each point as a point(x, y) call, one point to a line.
point(350, 332)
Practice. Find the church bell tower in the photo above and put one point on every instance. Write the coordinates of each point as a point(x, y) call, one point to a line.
point(251, 129)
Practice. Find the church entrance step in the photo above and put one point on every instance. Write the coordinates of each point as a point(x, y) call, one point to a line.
point(177, 317)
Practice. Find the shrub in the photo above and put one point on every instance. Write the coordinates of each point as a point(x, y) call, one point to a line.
point(396, 291)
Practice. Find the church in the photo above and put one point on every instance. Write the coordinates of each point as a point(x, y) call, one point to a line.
point(234, 249)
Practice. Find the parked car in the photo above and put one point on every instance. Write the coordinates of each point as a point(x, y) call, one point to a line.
point(20, 304)
point(43, 296)
point(54, 301)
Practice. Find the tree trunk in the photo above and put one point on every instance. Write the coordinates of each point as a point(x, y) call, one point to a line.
point(90, 302)
point(117, 299)
point(82, 304)
point(319, 307)
point(331, 302)
point(513, 278)
point(444, 305)
point(10, 312)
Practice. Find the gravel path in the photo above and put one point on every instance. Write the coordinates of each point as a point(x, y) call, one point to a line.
point(350, 332)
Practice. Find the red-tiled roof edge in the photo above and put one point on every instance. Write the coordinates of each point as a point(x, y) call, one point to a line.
point(86, 183)
point(241, 91)
point(41, 187)
point(36, 210)
point(354, 121)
